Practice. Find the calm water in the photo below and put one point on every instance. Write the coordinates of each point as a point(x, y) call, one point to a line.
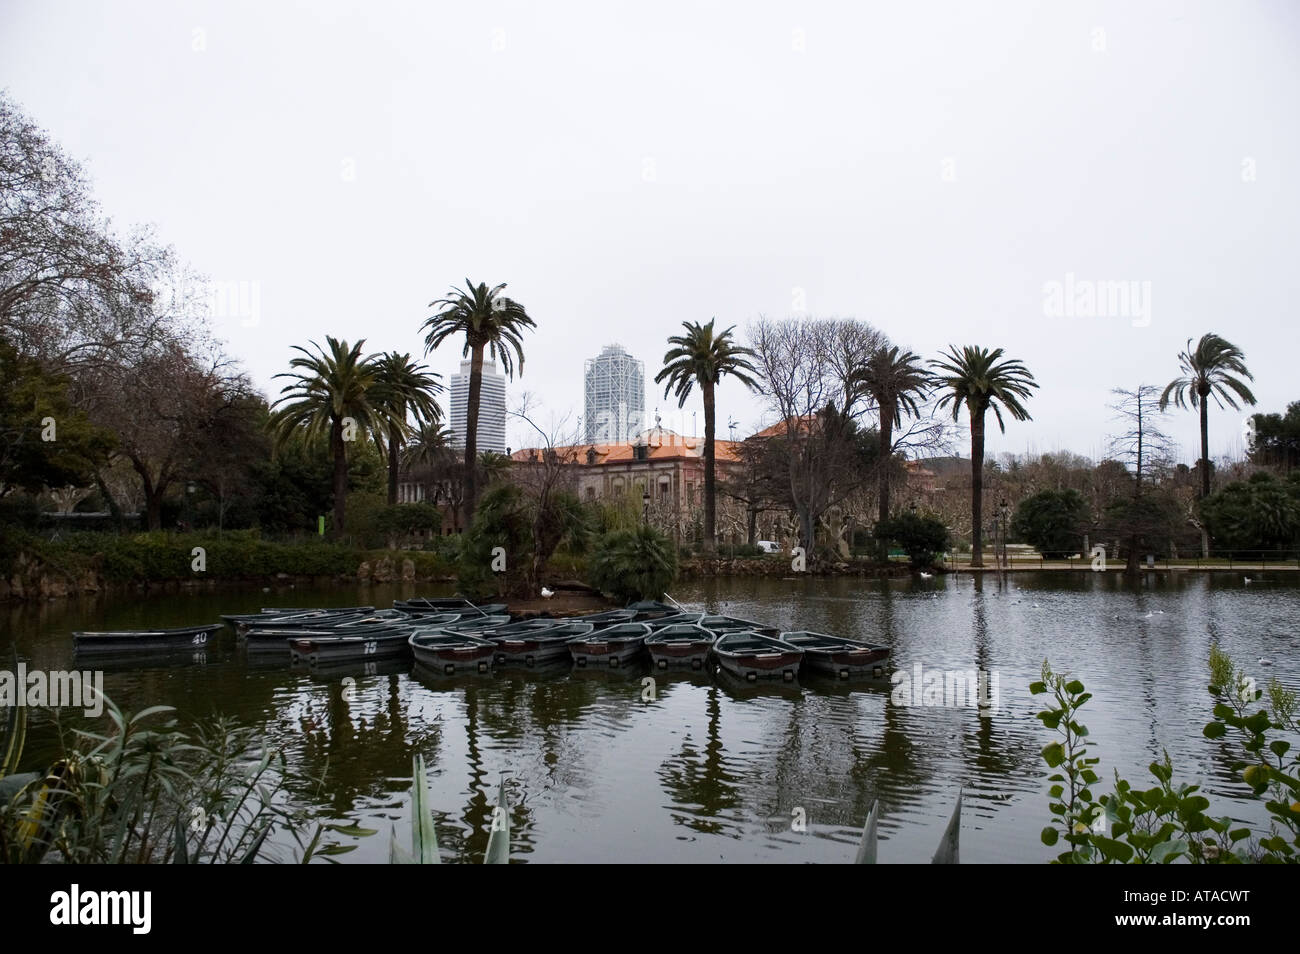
point(709, 772)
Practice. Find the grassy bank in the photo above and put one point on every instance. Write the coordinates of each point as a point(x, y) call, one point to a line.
point(36, 567)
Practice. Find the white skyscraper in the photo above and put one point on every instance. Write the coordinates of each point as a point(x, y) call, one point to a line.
point(615, 389)
point(491, 409)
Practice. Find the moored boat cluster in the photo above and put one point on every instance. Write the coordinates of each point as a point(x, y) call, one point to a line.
point(448, 636)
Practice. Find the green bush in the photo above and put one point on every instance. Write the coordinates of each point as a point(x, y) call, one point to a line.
point(633, 564)
point(1052, 521)
point(922, 537)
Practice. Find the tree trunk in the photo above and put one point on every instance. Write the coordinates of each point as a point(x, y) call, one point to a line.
point(153, 495)
point(977, 487)
point(710, 535)
point(886, 453)
point(394, 449)
point(471, 431)
point(751, 529)
point(339, 448)
point(1205, 448)
point(882, 482)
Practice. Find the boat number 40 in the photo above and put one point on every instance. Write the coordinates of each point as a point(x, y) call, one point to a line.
point(200, 639)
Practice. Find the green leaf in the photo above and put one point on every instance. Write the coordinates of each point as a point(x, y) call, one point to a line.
point(355, 831)
point(1215, 730)
point(1074, 687)
point(1053, 754)
point(1050, 836)
point(1168, 851)
point(336, 849)
point(424, 836)
point(1037, 688)
point(498, 847)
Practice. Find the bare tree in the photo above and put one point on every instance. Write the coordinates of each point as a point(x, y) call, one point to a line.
point(544, 479)
point(808, 378)
point(1146, 451)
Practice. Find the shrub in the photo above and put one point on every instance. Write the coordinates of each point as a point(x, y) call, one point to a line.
point(922, 536)
point(1052, 522)
point(633, 564)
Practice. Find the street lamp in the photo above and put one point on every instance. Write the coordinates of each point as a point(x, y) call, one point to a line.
point(1003, 512)
point(645, 506)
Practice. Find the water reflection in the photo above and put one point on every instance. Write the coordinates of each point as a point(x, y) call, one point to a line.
point(694, 766)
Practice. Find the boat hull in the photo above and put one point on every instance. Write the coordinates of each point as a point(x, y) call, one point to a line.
point(773, 664)
point(529, 650)
point(610, 653)
point(681, 654)
point(191, 638)
point(452, 657)
point(332, 649)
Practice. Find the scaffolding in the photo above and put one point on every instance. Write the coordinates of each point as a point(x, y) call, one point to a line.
point(615, 396)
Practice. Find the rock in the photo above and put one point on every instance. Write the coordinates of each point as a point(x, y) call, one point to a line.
point(408, 571)
point(363, 571)
point(384, 571)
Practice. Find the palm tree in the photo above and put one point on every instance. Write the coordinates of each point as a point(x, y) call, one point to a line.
point(896, 380)
point(976, 378)
point(702, 357)
point(1209, 370)
point(402, 389)
point(491, 323)
point(330, 394)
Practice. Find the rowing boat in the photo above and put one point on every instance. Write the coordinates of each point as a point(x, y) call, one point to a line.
point(447, 652)
point(337, 645)
point(683, 645)
point(612, 646)
point(753, 656)
point(182, 637)
point(536, 646)
point(838, 656)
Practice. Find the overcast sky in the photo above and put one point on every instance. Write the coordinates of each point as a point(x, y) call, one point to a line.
point(930, 168)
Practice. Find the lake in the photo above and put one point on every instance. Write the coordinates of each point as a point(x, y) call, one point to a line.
point(709, 772)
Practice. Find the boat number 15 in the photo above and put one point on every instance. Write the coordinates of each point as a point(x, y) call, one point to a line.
point(371, 647)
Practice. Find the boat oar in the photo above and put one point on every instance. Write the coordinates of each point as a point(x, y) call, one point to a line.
point(867, 846)
point(948, 847)
point(498, 846)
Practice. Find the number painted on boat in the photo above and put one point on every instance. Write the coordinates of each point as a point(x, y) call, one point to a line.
point(371, 647)
point(200, 639)
point(371, 668)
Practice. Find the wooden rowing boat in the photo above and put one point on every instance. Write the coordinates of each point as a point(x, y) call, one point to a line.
point(137, 640)
point(840, 657)
point(683, 645)
point(612, 646)
point(751, 656)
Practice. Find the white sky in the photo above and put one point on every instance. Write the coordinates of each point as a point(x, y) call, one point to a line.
point(626, 167)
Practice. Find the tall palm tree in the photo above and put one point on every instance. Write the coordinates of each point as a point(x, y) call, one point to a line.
point(491, 324)
point(1211, 369)
point(703, 357)
point(976, 378)
point(403, 389)
point(329, 395)
point(896, 381)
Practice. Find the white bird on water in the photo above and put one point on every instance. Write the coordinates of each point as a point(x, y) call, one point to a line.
point(1247, 580)
point(547, 594)
point(1265, 661)
point(926, 576)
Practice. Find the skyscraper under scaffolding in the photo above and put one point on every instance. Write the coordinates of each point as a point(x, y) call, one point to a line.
point(615, 388)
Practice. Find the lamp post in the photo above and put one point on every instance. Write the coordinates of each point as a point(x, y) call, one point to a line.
point(1003, 513)
point(645, 507)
